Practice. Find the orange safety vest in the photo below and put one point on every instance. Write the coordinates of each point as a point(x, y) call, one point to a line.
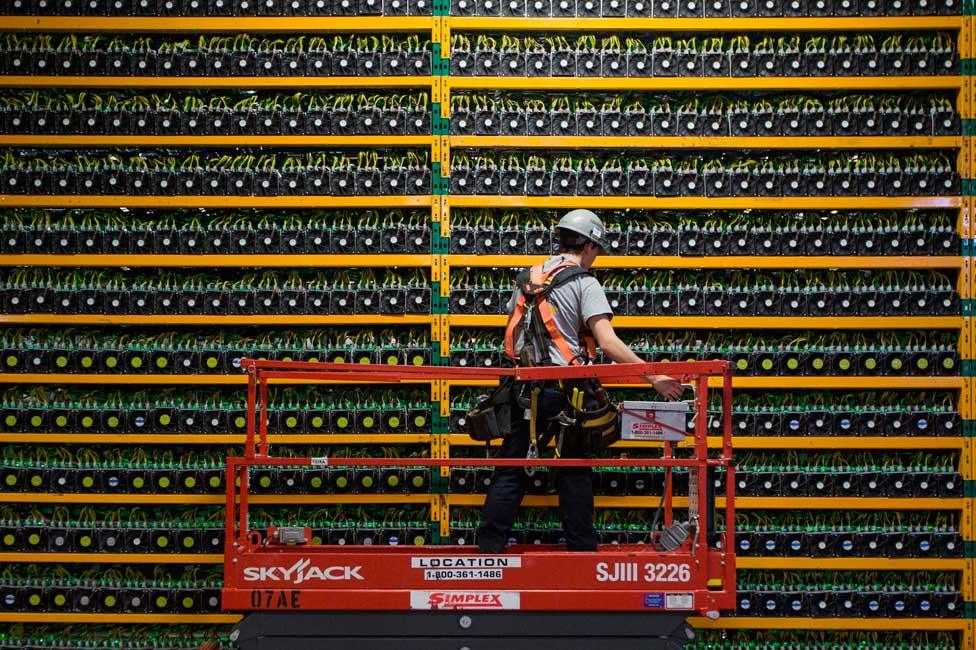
point(532, 306)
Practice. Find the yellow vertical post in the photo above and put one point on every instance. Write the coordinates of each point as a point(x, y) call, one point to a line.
point(967, 465)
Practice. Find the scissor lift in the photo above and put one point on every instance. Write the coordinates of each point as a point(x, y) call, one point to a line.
point(634, 596)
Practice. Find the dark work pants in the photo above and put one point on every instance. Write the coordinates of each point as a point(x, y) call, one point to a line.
point(574, 484)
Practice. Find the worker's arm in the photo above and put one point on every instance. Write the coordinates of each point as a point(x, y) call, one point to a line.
point(619, 352)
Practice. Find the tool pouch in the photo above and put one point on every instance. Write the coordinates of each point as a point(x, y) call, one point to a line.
point(597, 423)
point(492, 417)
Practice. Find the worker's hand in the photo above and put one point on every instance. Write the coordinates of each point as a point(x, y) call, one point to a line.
point(669, 387)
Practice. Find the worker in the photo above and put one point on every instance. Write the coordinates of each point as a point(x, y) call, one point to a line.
point(556, 311)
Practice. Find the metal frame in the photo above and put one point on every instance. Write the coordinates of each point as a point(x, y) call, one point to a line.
point(625, 578)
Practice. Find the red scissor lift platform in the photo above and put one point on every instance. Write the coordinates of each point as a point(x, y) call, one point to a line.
point(278, 573)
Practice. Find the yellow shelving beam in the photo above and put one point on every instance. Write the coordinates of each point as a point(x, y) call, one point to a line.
point(274, 202)
point(244, 83)
point(122, 558)
point(695, 142)
point(750, 322)
point(218, 141)
point(748, 503)
point(303, 24)
point(211, 261)
point(179, 319)
point(132, 619)
point(720, 262)
point(708, 203)
point(729, 84)
point(706, 24)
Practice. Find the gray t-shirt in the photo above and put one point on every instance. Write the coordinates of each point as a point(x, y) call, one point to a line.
point(573, 304)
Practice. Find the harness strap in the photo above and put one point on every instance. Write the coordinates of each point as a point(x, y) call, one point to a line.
point(538, 284)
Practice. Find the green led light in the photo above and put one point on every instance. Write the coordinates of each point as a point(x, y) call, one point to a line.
point(316, 482)
point(111, 362)
point(85, 541)
point(162, 541)
point(393, 480)
point(240, 421)
point(35, 599)
point(342, 422)
point(367, 481)
point(419, 540)
point(88, 481)
point(188, 542)
point(61, 421)
point(948, 363)
point(9, 539)
point(394, 422)
point(36, 480)
point(162, 601)
point(33, 539)
point(61, 362)
point(265, 481)
point(392, 360)
point(87, 421)
point(138, 482)
point(419, 421)
point(214, 481)
point(11, 361)
point(110, 601)
point(897, 363)
point(418, 360)
point(87, 362)
point(60, 600)
point(211, 362)
point(364, 361)
point(135, 362)
point(163, 482)
point(870, 363)
point(10, 479)
point(818, 364)
point(112, 421)
point(368, 421)
point(318, 422)
point(767, 364)
point(187, 602)
point(844, 364)
point(741, 364)
point(36, 420)
point(11, 420)
point(189, 482)
point(922, 363)
point(342, 481)
point(162, 362)
point(418, 481)
point(291, 421)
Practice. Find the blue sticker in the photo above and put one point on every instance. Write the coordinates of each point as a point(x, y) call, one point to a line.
point(654, 601)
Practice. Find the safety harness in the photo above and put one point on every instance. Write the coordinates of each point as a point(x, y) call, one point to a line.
point(534, 314)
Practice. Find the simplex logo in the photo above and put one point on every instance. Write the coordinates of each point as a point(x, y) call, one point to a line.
point(464, 600)
point(300, 572)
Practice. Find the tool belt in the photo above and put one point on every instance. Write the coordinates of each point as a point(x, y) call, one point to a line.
point(586, 427)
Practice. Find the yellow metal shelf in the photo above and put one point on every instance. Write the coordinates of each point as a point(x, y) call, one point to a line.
point(173, 319)
point(220, 141)
point(810, 383)
point(214, 82)
point(704, 24)
point(885, 624)
point(748, 322)
point(946, 82)
point(131, 619)
point(706, 203)
point(211, 261)
point(220, 24)
point(212, 499)
point(849, 564)
point(718, 262)
point(760, 442)
point(277, 202)
point(123, 558)
point(210, 439)
point(693, 142)
point(747, 503)
point(182, 380)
